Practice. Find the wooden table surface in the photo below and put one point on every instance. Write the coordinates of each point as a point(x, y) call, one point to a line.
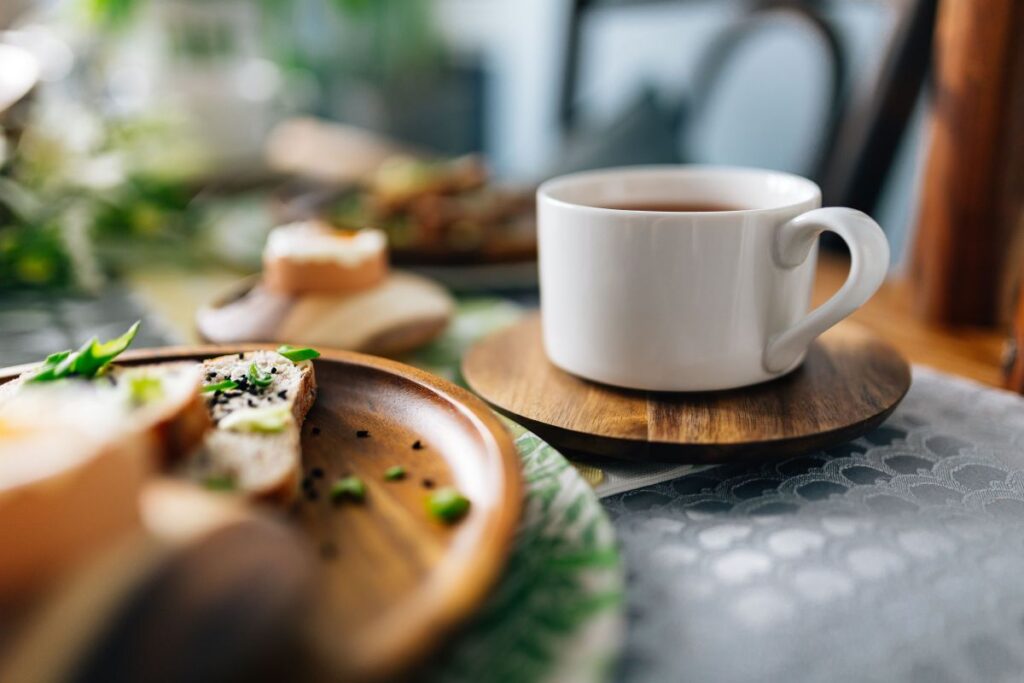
point(971, 352)
point(975, 353)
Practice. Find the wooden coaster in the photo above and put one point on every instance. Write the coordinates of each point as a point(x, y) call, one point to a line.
point(848, 384)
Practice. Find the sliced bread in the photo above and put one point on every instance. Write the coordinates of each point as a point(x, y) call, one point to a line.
point(71, 470)
point(254, 447)
point(314, 258)
point(163, 399)
point(166, 399)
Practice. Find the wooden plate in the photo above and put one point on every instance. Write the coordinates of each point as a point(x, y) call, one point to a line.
point(401, 314)
point(849, 383)
point(393, 582)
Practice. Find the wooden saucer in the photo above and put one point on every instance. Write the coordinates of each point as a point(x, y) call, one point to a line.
point(403, 313)
point(849, 383)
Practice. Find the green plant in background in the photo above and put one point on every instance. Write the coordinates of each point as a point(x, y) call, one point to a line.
point(109, 13)
point(79, 201)
point(379, 40)
point(86, 193)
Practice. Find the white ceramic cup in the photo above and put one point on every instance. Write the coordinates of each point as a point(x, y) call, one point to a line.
point(691, 301)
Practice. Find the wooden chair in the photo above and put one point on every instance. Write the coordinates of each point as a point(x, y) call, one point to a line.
point(865, 124)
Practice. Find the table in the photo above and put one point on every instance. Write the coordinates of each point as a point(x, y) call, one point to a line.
point(975, 353)
point(897, 556)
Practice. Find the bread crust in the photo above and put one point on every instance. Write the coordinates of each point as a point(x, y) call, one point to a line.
point(179, 428)
point(182, 432)
point(52, 524)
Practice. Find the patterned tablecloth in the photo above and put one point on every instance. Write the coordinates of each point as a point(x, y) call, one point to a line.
point(895, 557)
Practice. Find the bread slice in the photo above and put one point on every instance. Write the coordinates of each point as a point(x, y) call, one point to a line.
point(163, 399)
point(71, 471)
point(314, 258)
point(262, 462)
point(177, 418)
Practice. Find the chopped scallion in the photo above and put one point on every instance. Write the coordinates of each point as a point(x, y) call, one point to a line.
point(394, 473)
point(260, 379)
point(143, 389)
point(91, 359)
point(297, 354)
point(447, 505)
point(219, 483)
point(348, 488)
point(226, 385)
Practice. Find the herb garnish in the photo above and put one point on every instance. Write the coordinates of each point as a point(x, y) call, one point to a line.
point(90, 360)
point(143, 389)
point(261, 380)
point(297, 354)
point(269, 419)
point(223, 483)
point(394, 473)
point(226, 385)
point(447, 505)
point(348, 488)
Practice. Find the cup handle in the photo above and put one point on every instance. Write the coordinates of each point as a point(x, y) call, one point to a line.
point(869, 263)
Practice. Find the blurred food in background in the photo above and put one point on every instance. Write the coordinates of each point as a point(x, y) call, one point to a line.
point(132, 132)
point(434, 211)
point(332, 287)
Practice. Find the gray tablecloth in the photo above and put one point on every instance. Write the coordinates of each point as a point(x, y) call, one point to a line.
point(896, 557)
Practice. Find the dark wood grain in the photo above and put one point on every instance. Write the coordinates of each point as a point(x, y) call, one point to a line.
point(1015, 349)
point(849, 383)
point(393, 582)
point(975, 171)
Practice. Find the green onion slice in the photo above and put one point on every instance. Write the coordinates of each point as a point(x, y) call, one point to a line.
point(143, 389)
point(260, 379)
point(447, 505)
point(266, 420)
point(226, 385)
point(219, 483)
point(91, 359)
point(348, 488)
point(394, 473)
point(297, 354)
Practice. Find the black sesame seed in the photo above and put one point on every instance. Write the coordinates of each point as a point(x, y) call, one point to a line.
point(317, 473)
point(273, 371)
point(283, 394)
point(363, 434)
point(416, 445)
point(241, 355)
point(316, 431)
point(428, 483)
point(252, 403)
point(307, 483)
